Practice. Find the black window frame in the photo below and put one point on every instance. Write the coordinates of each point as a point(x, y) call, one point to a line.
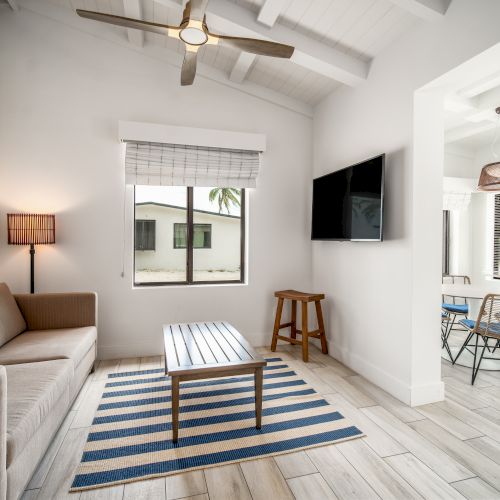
point(145, 222)
point(176, 247)
point(189, 250)
point(446, 243)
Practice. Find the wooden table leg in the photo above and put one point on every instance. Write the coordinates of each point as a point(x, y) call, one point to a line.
point(258, 397)
point(321, 325)
point(293, 328)
point(305, 331)
point(175, 408)
point(277, 323)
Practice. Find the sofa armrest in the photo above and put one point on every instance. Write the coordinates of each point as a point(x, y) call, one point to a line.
point(46, 311)
point(3, 433)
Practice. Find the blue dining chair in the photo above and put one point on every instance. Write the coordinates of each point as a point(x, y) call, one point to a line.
point(452, 308)
point(486, 327)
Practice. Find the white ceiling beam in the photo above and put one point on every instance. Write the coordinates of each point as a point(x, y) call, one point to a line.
point(241, 67)
point(429, 10)
point(133, 8)
point(467, 130)
point(13, 5)
point(482, 86)
point(268, 15)
point(270, 11)
point(226, 17)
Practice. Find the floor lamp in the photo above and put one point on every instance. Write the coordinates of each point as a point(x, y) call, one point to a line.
point(31, 229)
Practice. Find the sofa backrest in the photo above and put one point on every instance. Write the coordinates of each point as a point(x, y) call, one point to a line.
point(11, 320)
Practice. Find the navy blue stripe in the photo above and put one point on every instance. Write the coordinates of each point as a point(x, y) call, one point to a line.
point(95, 478)
point(138, 372)
point(203, 421)
point(163, 377)
point(207, 406)
point(186, 385)
point(161, 370)
point(226, 435)
point(197, 395)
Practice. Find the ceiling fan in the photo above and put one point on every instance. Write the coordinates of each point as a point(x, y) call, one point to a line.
point(193, 31)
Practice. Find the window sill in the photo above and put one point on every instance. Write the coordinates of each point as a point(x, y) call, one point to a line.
point(176, 286)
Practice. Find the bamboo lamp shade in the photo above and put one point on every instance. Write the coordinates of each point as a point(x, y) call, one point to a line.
point(489, 179)
point(31, 229)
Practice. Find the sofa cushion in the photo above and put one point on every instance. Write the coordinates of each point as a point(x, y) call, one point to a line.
point(44, 345)
point(33, 389)
point(11, 320)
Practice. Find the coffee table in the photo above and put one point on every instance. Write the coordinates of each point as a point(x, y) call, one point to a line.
point(204, 350)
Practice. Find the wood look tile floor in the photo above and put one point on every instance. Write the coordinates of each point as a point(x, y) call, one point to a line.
point(446, 450)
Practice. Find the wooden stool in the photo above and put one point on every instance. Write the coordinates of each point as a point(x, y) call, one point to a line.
point(304, 298)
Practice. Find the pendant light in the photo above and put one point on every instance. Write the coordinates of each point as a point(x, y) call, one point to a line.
point(489, 179)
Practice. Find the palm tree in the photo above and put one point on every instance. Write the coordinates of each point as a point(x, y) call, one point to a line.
point(225, 197)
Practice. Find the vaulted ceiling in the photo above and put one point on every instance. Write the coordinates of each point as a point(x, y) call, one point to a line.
point(335, 40)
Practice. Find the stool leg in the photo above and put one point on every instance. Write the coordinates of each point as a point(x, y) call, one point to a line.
point(321, 325)
point(277, 323)
point(293, 328)
point(305, 340)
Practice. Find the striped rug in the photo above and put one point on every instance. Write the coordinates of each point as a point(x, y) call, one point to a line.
point(130, 437)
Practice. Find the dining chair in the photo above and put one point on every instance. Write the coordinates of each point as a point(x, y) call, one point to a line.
point(452, 307)
point(486, 327)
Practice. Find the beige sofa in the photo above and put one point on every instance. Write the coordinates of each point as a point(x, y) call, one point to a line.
point(47, 349)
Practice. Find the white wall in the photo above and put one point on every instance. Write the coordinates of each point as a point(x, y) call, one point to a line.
point(383, 314)
point(62, 94)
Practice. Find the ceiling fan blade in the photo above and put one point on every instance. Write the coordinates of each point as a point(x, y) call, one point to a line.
point(255, 46)
point(189, 67)
point(127, 22)
point(198, 8)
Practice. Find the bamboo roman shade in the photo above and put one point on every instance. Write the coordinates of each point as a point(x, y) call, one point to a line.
point(160, 164)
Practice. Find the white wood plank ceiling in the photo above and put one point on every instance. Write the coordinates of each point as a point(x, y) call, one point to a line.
point(335, 40)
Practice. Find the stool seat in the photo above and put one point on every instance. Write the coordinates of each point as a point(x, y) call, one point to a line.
point(300, 296)
point(304, 298)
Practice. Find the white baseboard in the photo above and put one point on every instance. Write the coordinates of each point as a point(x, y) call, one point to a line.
point(412, 396)
point(128, 350)
point(425, 394)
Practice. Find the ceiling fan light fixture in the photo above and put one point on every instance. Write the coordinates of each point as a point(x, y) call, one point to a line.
point(193, 33)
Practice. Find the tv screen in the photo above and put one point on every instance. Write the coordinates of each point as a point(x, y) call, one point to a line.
point(348, 204)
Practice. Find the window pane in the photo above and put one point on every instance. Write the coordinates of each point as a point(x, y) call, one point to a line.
point(158, 210)
point(216, 234)
point(180, 235)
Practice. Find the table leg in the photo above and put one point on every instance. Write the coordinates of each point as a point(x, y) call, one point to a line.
point(175, 408)
point(258, 397)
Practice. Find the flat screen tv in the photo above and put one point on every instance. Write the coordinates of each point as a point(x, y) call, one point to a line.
point(348, 203)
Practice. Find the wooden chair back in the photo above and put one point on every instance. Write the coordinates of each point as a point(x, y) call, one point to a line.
point(488, 319)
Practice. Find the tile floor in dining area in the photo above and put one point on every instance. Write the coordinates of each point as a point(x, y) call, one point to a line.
point(444, 450)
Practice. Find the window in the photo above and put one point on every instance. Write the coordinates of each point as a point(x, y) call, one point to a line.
point(202, 235)
point(446, 242)
point(199, 235)
point(145, 234)
point(496, 238)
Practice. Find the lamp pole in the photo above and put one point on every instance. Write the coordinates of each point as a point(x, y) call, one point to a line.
point(32, 269)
